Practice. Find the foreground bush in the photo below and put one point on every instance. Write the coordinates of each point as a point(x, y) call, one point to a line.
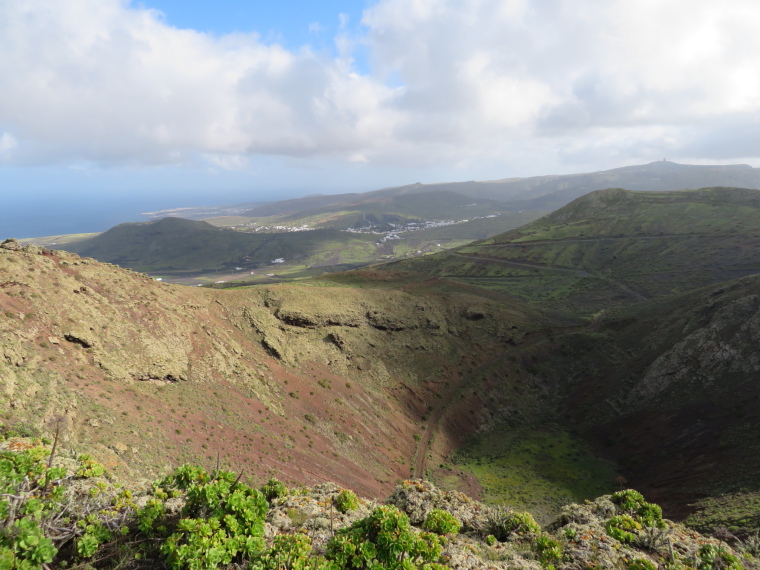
point(30, 495)
point(384, 540)
point(192, 519)
point(223, 519)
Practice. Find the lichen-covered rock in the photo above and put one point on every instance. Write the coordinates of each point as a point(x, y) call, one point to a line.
point(312, 510)
point(418, 497)
point(11, 244)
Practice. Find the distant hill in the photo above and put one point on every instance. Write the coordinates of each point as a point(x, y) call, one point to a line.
point(176, 246)
point(507, 195)
point(615, 246)
point(379, 210)
point(551, 192)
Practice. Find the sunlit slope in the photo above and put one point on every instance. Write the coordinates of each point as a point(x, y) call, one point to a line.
point(615, 247)
point(308, 383)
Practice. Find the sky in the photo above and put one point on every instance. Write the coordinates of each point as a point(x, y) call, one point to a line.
point(126, 106)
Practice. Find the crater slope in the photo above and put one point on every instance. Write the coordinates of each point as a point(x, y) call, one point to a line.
point(325, 382)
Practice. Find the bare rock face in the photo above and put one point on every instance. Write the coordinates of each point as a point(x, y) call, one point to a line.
point(84, 338)
point(726, 345)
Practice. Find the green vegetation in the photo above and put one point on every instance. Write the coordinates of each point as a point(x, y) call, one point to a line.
point(385, 540)
point(346, 501)
point(28, 500)
point(88, 467)
point(632, 503)
point(712, 556)
point(548, 551)
point(222, 519)
point(503, 522)
point(614, 247)
point(441, 522)
point(192, 519)
point(623, 528)
point(274, 489)
point(535, 469)
point(738, 512)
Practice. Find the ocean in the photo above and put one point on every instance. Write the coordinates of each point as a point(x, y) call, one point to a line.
point(21, 217)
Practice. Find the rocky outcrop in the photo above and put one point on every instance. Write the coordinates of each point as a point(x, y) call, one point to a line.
point(725, 345)
point(583, 536)
point(11, 244)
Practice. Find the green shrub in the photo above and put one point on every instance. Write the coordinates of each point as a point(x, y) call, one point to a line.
point(23, 543)
point(441, 522)
point(95, 534)
point(650, 514)
point(21, 430)
point(628, 500)
point(632, 503)
point(274, 489)
point(548, 551)
point(384, 540)
point(491, 540)
point(622, 528)
point(712, 557)
point(346, 501)
point(88, 467)
point(292, 552)
point(503, 521)
point(222, 519)
point(147, 517)
point(25, 547)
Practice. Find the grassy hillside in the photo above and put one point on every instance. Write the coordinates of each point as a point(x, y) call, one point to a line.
point(173, 246)
point(667, 388)
point(615, 247)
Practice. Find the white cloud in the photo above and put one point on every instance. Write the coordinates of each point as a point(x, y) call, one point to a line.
point(98, 80)
point(451, 82)
point(7, 142)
